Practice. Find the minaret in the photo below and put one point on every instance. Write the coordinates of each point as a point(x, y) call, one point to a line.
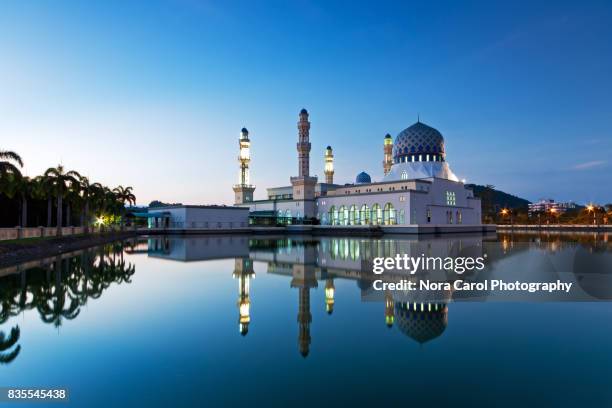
point(303, 145)
point(329, 296)
point(303, 184)
point(304, 278)
point(329, 165)
point(389, 310)
point(388, 149)
point(243, 271)
point(243, 191)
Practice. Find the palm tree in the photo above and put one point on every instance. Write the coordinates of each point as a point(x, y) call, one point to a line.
point(7, 342)
point(44, 190)
point(14, 185)
point(89, 191)
point(10, 162)
point(25, 188)
point(124, 194)
point(73, 197)
point(61, 179)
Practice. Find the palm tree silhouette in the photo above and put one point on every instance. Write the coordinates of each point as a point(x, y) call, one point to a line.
point(7, 342)
point(61, 180)
point(10, 162)
point(89, 191)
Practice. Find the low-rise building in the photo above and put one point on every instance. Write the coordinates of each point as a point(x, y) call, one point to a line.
point(548, 205)
point(198, 217)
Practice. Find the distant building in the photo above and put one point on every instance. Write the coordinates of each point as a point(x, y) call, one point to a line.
point(546, 205)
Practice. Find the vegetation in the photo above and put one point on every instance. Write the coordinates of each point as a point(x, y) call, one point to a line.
point(58, 290)
point(60, 197)
point(156, 203)
point(499, 207)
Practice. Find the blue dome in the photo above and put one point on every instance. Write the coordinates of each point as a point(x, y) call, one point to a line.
point(363, 178)
point(417, 141)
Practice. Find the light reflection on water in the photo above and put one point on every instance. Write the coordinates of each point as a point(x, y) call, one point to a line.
point(219, 320)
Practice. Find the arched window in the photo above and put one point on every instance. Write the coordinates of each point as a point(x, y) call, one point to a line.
point(389, 214)
point(333, 215)
point(401, 217)
point(377, 215)
point(353, 215)
point(346, 215)
point(341, 217)
point(354, 249)
point(365, 215)
point(404, 175)
point(323, 218)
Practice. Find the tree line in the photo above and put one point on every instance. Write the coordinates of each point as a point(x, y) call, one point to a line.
point(59, 197)
point(59, 289)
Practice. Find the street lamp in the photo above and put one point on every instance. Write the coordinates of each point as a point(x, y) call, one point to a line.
point(591, 208)
point(505, 212)
point(553, 212)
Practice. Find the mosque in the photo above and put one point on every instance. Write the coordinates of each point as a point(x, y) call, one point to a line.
point(416, 188)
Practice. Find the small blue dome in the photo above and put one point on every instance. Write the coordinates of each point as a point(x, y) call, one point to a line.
point(363, 178)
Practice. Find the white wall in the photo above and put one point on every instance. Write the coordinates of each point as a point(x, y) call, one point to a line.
point(206, 217)
point(414, 203)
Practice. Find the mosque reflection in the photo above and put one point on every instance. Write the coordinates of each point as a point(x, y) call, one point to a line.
point(58, 288)
point(310, 262)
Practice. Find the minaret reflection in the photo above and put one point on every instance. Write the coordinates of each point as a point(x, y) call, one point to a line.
point(330, 291)
point(243, 271)
point(389, 310)
point(304, 279)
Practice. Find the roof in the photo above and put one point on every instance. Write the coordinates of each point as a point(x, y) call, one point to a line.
point(150, 215)
point(209, 207)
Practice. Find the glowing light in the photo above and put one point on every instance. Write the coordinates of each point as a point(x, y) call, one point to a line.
point(504, 211)
point(100, 221)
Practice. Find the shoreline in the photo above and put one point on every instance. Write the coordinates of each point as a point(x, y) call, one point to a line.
point(14, 253)
point(555, 227)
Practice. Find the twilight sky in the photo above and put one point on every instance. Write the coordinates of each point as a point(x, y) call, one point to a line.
point(153, 94)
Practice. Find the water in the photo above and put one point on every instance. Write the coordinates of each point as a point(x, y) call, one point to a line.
point(156, 322)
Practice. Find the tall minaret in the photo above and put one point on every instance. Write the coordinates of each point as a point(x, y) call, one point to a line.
point(329, 165)
point(243, 271)
point(304, 278)
point(330, 291)
point(303, 184)
point(388, 149)
point(303, 145)
point(243, 191)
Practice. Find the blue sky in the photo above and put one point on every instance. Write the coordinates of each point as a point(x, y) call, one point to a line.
point(153, 94)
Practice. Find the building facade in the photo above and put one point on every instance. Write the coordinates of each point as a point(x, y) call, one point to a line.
point(548, 205)
point(417, 187)
point(198, 217)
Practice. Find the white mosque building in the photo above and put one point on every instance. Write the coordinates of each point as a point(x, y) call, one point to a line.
point(417, 187)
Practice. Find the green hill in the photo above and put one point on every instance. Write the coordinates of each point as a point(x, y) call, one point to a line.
point(493, 199)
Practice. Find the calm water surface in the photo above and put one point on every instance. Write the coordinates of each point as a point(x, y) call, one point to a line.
point(241, 321)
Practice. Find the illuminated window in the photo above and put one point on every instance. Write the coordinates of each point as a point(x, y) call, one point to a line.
point(429, 215)
point(451, 199)
point(404, 175)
